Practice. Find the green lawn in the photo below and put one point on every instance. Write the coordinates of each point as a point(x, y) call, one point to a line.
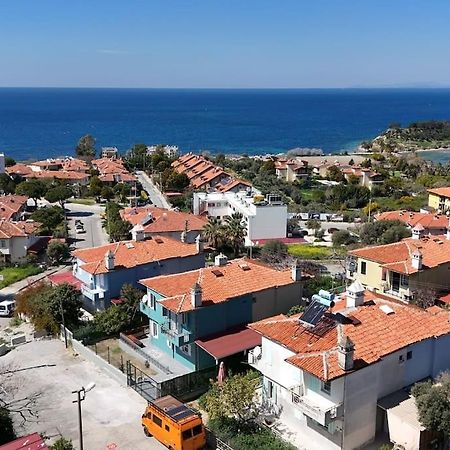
point(305, 251)
point(82, 201)
point(13, 274)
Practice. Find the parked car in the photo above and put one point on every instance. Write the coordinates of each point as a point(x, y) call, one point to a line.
point(174, 424)
point(7, 308)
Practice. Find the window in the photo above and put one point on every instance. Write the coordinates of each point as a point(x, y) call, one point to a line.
point(197, 430)
point(184, 318)
point(187, 434)
point(326, 387)
point(3, 243)
point(157, 420)
point(401, 359)
point(363, 267)
point(167, 427)
point(152, 301)
point(165, 312)
point(409, 355)
point(154, 328)
point(186, 349)
point(404, 280)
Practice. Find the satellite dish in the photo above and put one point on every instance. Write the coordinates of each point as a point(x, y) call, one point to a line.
point(257, 352)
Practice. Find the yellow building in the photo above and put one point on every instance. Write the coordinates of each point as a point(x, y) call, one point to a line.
point(439, 199)
point(403, 268)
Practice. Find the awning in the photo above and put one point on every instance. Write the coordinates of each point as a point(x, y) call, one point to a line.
point(30, 442)
point(230, 342)
point(65, 277)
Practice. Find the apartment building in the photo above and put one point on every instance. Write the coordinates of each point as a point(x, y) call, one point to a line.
point(264, 217)
point(439, 199)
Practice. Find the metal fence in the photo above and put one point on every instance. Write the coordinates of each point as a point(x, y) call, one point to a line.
point(142, 383)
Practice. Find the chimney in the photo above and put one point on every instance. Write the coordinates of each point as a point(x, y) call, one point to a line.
point(346, 350)
point(183, 236)
point(418, 231)
point(109, 260)
point(355, 294)
point(220, 260)
point(296, 272)
point(137, 233)
point(196, 295)
point(448, 230)
point(416, 259)
point(199, 244)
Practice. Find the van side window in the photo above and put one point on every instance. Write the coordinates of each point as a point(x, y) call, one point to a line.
point(157, 420)
point(187, 434)
point(167, 427)
point(196, 430)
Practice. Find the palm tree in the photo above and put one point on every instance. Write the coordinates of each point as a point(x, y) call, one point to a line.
point(213, 232)
point(235, 231)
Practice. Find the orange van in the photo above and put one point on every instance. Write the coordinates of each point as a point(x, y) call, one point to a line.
point(174, 424)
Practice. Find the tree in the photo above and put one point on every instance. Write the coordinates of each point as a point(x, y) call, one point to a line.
point(9, 161)
point(50, 217)
point(62, 444)
point(296, 309)
point(7, 185)
point(171, 180)
point(236, 398)
point(58, 252)
point(313, 224)
point(42, 304)
point(132, 297)
point(86, 146)
point(425, 297)
point(111, 320)
point(95, 186)
point(342, 237)
point(268, 168)
point(335, 174)
point(383, 232)
point(107, 193)
point(235, 232)
point(59, 194)
point(34, 189)
point(213, 232)
point(119, 230)
point(274, 252)
point(7, 432)
point(433, 403)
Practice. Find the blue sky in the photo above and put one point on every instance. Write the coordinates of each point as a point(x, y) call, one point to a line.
point(227, 43)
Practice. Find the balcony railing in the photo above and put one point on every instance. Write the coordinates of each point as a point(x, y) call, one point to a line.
point(254, 356)
point(320, 413)
point(178, 335)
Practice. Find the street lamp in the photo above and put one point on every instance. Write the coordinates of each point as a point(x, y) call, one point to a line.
point(81, 395)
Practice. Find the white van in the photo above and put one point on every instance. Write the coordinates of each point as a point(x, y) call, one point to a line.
point(7, 308)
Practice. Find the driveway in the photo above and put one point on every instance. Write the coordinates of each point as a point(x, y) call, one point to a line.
point(153, 192)
point(90, 216)
point(111, 412)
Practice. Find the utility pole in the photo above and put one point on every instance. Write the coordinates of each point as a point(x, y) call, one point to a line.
point(81, 395)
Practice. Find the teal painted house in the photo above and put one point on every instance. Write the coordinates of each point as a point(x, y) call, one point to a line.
point(199, 317)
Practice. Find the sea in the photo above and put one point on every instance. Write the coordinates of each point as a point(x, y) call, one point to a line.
point(47, 122)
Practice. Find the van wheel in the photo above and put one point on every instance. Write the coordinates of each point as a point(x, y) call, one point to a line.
point(146, 432)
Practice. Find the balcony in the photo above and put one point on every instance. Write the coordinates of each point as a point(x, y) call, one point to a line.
point(179, 336)
point(254, 357)
point(92, 292)
point(321, 410)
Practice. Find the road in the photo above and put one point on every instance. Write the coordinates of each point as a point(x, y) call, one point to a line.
point(153, 192)
point(90, 216)
point(111, 412)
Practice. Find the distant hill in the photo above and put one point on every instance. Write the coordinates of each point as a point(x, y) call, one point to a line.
point(416, 136)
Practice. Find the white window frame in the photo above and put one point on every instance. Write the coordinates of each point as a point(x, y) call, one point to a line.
point(154, 330)
point(152, 301)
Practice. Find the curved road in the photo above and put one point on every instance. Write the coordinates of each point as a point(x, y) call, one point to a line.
point(153, 192)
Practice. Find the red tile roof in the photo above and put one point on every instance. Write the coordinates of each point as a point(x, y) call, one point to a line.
point(219, 283)
point(65, 277)
point(230, 342)
point(133, 253)
point(428, 221)
point(18, 169)
point(11, 204)
point(59, 175)
point(442, 191)
point(230, 183)
point(435, 251)
point(9, 229)
point(162, 220)
point(374, 333)
point(208, 177)
point(30, 442)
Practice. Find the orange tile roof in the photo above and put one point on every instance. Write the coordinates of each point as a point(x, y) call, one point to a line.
point(377, 335)
point(207, 177)
point(219, 283)
point(428, 221)
point(11, 204)
point(163, 220)
point(230, 183)
point(435, 251)
point(58, 174)
point(442, 191)
point(9, 229)
point(183, 159)
point(121, 177)
point(130, 254)
point(18, 169)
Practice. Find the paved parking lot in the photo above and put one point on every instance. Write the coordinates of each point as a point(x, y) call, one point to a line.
point(111, 412)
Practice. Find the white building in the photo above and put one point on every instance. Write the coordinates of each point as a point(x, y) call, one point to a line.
point(109, 152)
point(170, 150)
point(2, 163)
point(15, 240)
point(264, 218)
point(339, 382)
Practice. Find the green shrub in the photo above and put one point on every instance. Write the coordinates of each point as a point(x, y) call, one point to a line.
point(304, 251)
point(87, 334)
